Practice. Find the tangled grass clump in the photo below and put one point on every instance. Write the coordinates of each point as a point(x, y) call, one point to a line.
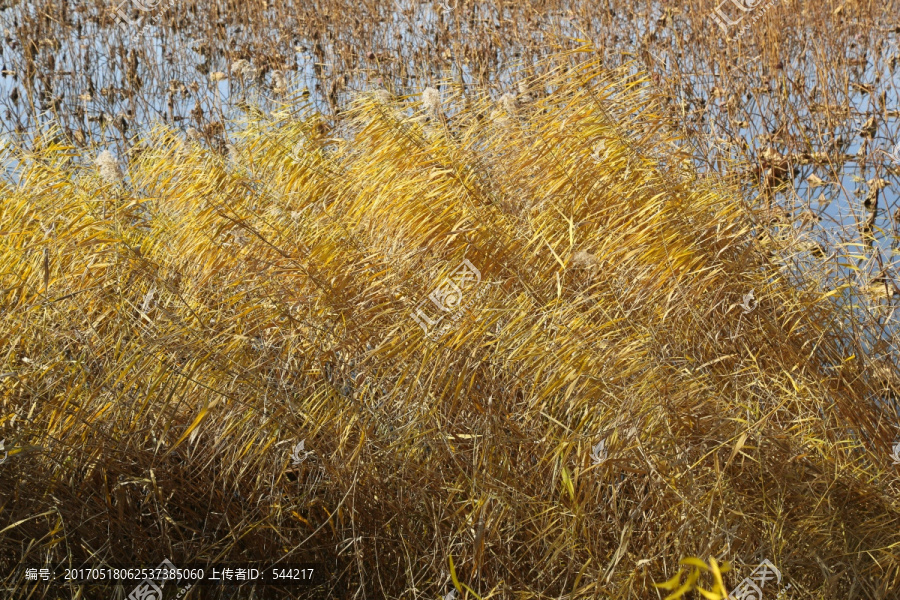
point(170, 336)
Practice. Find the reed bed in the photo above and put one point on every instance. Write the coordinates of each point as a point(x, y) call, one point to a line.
point(174, 323)
point(799, 98)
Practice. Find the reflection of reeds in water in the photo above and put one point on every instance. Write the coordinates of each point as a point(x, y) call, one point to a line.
point(282, 293)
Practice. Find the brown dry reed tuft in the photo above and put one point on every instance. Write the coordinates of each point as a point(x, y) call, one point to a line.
point(159, 363)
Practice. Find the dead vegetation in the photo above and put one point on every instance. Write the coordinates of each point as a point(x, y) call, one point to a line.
point(170, 335)
point(801, 90)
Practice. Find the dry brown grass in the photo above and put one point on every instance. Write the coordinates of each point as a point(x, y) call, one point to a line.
point(144, 425)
